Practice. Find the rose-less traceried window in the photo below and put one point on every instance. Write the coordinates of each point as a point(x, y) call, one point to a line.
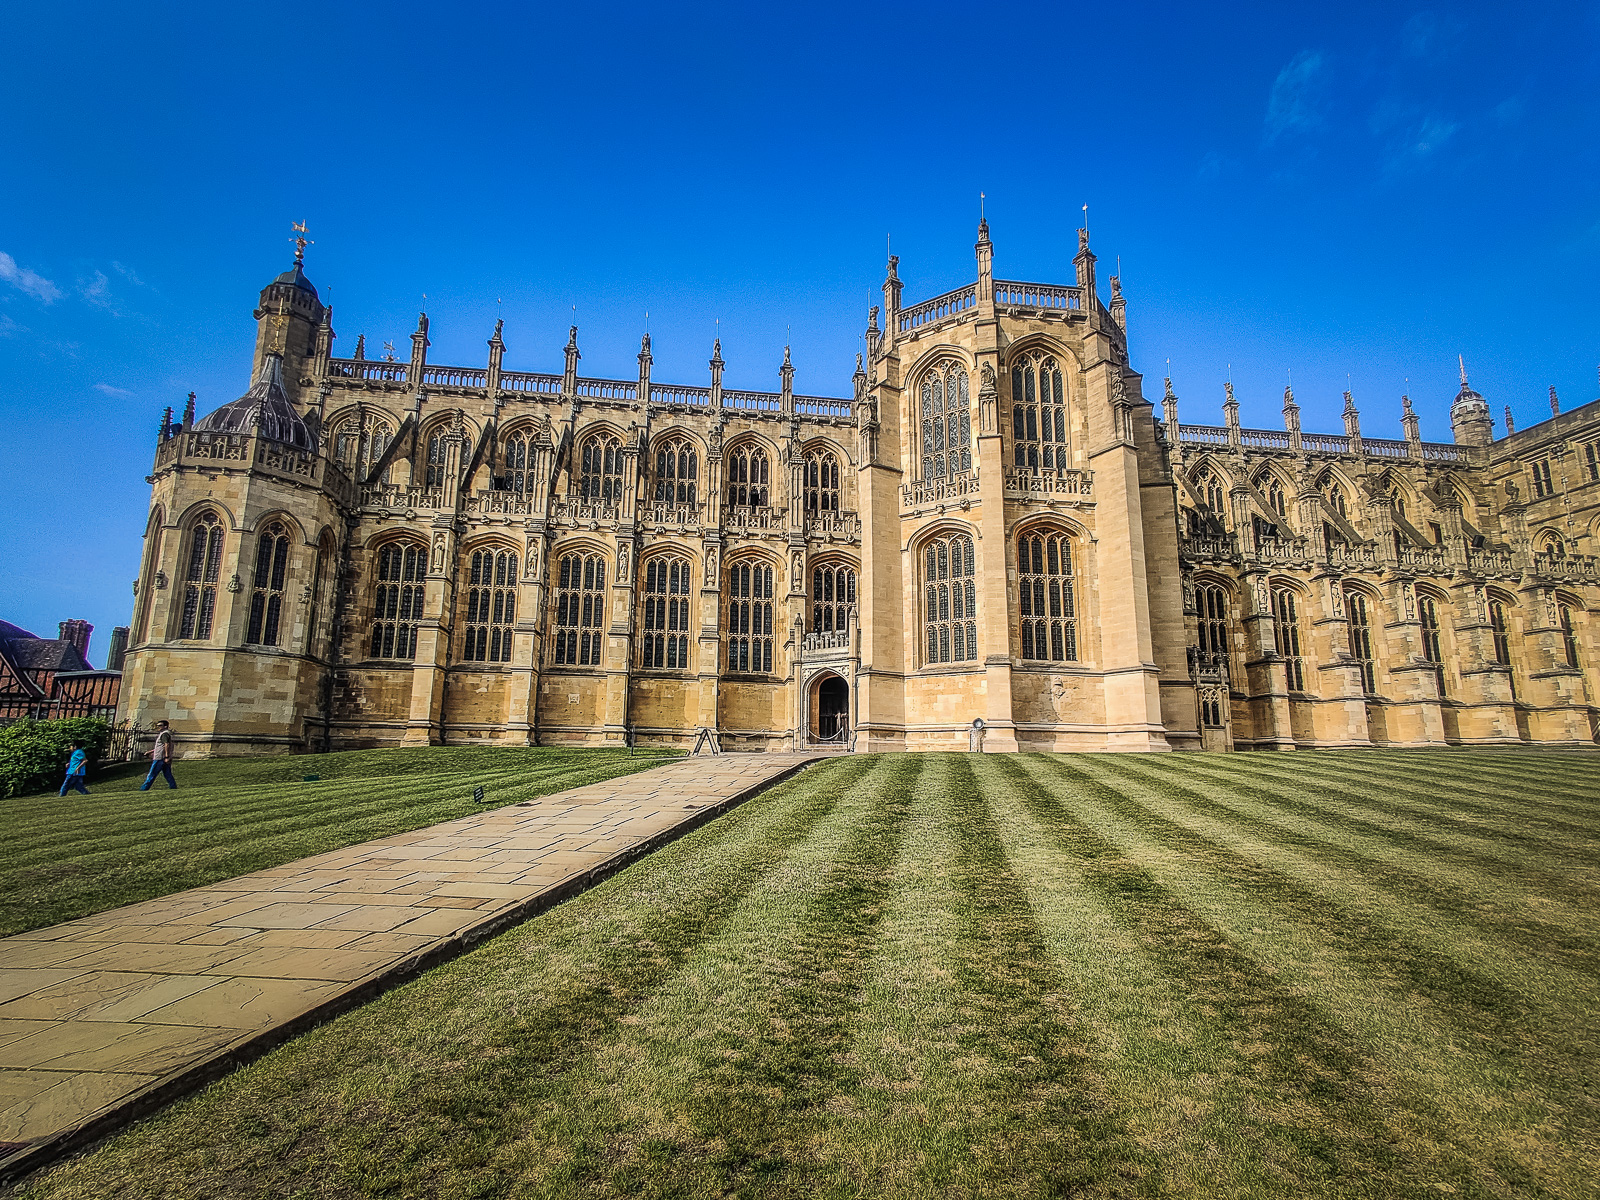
point(750, 618)
point(1038, 414)
point(514, 476)
point(1428, 614)
point(833, 595)
point(677, 472)
point(491, 606)
point(950, 597)
point(1211, 606)
point(359, 445)
point(1286, 629)
point(1045, 598)
point(1569, 636)
point(600, 477)
point(747, 478)
point(666, 614)
point(435, 473)
point(266, 593)
point(580, 610)
point(946, 423)
point(397, 605)
point(200, 579)
point(821, 482)
point(1355, 603)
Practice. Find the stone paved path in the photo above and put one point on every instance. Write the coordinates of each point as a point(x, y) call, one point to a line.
point(105, 1018)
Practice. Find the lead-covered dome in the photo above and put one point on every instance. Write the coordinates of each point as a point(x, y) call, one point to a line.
point(266, 405)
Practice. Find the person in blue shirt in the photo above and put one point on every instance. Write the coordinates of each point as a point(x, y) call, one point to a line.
point(77, 770)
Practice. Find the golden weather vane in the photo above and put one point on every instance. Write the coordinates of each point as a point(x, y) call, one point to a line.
point(301, 241)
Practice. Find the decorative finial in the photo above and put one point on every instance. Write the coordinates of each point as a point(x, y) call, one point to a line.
point(388, 351)
point(1555, 402)
point(788, 363)
point(1510, 428)
point(301, 241)
point(572, 336)
point(188, 413)
point(1288, 398)
point(361, 346)
point(1463, 364)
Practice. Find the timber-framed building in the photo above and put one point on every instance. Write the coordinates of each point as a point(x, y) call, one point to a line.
point(995, 526)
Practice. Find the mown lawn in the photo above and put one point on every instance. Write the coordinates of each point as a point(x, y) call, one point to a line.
point(65, 857)
point(947, 975)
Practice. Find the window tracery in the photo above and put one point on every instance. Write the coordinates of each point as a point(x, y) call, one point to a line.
point(1286, 631)
point(951, 599)
point(946, 423)
point(1038, 414)
point(1046, 598)
point(677, 472)
point(266, 593)
point(200, 579)
point(821, 482)
point(666, 614)
point(1569, 635)
point(397, 603)
point(514, 477)
point(580, 601)
point(1355, 604)
point(360, 444)
point(750, 624)
point(1211, 604)
point(435, 468)
point(491, 606)
point(748, 473)
point(833, 595)
point(1428, 614)
point(600, 477)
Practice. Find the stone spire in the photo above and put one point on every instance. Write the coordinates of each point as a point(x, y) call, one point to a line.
point(1352, 423)
point(165, 430)
point(1230, 407)
point(1118, 306)
point(419, 349)
point(1408, 422)
point(891, 296)
point(786, 381)
point(1169, 411)
point(1470, 422)
point(985, 251)
point(1510, 428)
point(1291, 420)
point(361, 346)
point(1555, 402)
point(646, 359)
point(188, 412)
point(1084, 261)
point(716, 373)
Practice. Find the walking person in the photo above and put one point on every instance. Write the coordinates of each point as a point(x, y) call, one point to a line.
point(77, 770)
point(161, 758)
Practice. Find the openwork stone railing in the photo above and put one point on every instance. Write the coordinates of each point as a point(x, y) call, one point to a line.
point(495, 500)
point(683, 516)
point(1352, 556)
point(1265, 439)
point(473, 377)
point(1493, 562)
point(585, 510)
point(1026, 484)
point(380, 370)
point(1568, 566)
point(1203, 435)
point(1269, 550)
point(529, 381)
point(1208, 548)
point(1385, 448)
point(948, 305)
point(1324, 443)
point(395, 497)
point(1036, 295)
point(833, 524)
point(608, 389)
point(1424, 560)
point(815, 643)
point(821, 406)
point(937, 491)
point(759, 520)
point(754, 401)
point(1321, 443)
point(671, 393)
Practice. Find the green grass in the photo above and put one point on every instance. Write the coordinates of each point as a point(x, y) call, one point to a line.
point(1359, 975)
point(66, 857)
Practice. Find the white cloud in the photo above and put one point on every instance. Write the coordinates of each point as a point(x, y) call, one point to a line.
point(9, 327)
point(28, 282)
point(1295, 103)
point(127, 273)
point(1210, 167)
point(96, 291)
point(114, 392)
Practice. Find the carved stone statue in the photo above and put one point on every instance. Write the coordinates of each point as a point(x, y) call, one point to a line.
point(711, 565)
point(438, 552)
point(624, 560)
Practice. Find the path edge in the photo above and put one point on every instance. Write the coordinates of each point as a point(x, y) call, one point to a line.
point(163, 1092)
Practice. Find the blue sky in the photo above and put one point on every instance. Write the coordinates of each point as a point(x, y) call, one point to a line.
point(1358, 191)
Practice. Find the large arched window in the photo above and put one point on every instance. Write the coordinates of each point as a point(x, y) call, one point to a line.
point(1211, 492)
point(946, 423)
point(750, 617)
point(397, 605)
point(1038, 414)
point(581, 610)
point(1272, 488)
point(360, 444)
point(1045, 598)
point(1286, 631)
point(677, 472)
point(1500, 632)
point(514, 476)
point(1428, 614)
point(1333, 494)
point(200, 579)
point(600, 476)
point(1569, 635)
point(1355, 604)
point(748, 478)
point(666, 614)
point(833, 595)
point(491, 606)
point(266, 593)
point(1211, 606)
point(950, 595)
point(434, 476)
point(821, 482)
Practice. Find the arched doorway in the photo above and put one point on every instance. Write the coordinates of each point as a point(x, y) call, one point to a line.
point(832, 711)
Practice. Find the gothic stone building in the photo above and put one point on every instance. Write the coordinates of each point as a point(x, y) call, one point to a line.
point(995, 526)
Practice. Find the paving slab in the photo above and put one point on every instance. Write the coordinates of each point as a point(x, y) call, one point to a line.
point(108, 1017)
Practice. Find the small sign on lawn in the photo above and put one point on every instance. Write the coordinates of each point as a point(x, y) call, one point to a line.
point(477, 793)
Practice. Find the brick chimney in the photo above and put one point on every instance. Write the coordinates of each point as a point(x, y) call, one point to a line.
point(76, 632)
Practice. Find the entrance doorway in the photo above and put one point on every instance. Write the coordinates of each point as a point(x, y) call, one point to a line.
point(833, 710)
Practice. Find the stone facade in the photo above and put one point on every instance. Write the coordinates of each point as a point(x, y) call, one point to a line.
point(995, 542)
